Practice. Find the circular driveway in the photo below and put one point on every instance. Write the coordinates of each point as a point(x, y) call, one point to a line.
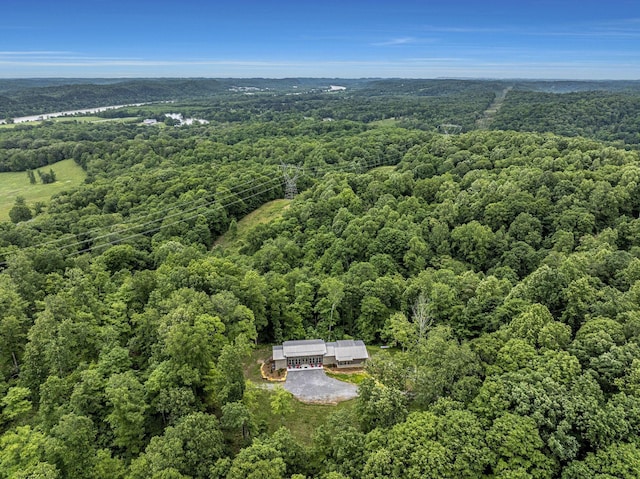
point(313, 385)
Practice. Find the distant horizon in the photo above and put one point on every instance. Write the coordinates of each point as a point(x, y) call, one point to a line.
point(506, 79)
point(589, 40)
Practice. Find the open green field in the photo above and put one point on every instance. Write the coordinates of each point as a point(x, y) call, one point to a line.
point(68, 175)
point(74, 119)
point(302, 421)
point(266, 213)
point(252, 365)
point(348, 377)
point(93, 119)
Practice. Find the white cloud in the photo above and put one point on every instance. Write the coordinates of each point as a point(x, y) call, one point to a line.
point(403, 41)
point(395, 41)
point(619, 28)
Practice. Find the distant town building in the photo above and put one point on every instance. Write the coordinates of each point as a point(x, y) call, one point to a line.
point(150, 121)
point(315, 353)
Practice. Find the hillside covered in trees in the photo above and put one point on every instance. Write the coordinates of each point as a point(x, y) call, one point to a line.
point(608, 116)
point(503, 266)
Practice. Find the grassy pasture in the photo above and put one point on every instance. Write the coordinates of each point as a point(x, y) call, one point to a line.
point(266, 213)
point(92, 119)
point(14, 184)
point(72, 119)
point(302, 421)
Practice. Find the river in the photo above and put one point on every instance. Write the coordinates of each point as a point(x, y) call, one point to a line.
point(46, 116)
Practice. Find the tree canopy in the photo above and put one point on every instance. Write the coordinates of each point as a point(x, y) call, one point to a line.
point(503, 266)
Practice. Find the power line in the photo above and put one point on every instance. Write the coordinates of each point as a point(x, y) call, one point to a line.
point(204, 202)
point(374, 162)
point(130, 219)
point(317, 170)
point(142, 225)
point(93, 239)
point(291, 174)
point(153, 230)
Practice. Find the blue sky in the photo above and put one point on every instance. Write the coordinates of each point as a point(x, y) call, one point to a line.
point(581, 39)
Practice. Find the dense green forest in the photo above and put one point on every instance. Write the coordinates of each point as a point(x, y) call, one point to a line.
point(608, 116)
point(503, 267)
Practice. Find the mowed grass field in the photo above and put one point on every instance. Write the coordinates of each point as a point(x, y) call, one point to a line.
point(93, 119)
point(12, 185)
point(266, 213)
point(72, 119)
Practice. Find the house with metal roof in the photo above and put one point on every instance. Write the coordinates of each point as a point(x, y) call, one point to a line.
point(315, 353)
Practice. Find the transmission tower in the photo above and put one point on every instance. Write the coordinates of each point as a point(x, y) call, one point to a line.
point(291, 173)
point(450, 129)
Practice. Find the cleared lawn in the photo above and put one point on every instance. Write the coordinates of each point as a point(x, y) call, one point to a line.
point(12, 185)
point(92, 119)
point(353, 377)
point(266, 213)
point(252, 366)
point(74, 119)
point(302, 421)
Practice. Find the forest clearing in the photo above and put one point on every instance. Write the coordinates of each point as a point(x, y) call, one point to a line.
point(13, 184)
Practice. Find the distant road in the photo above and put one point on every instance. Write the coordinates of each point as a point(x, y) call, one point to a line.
point(46, 116)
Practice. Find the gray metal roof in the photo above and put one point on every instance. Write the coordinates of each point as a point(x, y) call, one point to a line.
point(342, 350)
point(277, 353)
point(348, 350)
point(331, 350)
point(304, 347)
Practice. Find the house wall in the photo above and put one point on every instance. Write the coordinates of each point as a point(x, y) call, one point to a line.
point(329, 361)
point(281, 363)
point(356, 363)
point(304, 360)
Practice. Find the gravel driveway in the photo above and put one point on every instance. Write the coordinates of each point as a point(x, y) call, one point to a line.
point(315, 386)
